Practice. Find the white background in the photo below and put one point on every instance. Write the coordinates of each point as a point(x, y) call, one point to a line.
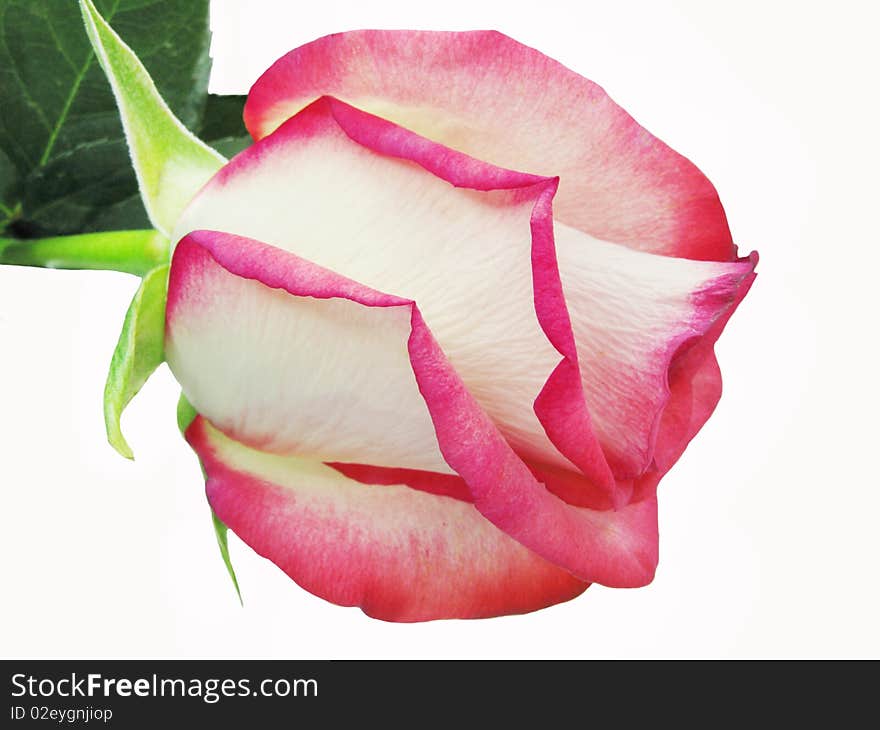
point(769, 523)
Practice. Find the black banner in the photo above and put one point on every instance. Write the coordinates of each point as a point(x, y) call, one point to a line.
point(256, 694)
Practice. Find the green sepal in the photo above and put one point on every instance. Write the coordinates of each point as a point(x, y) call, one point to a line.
point(140, 350)
point(221, 532)
point(186, 414)
point(170, 162)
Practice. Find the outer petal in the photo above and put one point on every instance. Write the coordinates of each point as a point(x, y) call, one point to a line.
point(643, 324)
point(498, 100)
point(215, 276)
point(320, 377)
point(350, 191)
point(399, 554)
point(694, 387)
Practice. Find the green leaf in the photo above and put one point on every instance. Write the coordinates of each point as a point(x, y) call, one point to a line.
point(8, 176)
point(128, 212)
point(77, 187)
point(55, 101)
point(223, 124)
point(138, 353)
point(186, 414)
point(231, 146)
point(223, 117)
point(10, 209)
point(170, 162)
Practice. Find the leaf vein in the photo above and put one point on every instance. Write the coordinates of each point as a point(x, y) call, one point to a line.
point(62, 117)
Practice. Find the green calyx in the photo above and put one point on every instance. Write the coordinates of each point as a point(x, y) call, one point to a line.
point(139, 351)
point(186, 414)
point(71, 174)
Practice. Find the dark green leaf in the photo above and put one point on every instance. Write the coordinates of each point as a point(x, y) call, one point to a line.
point(230, 146)
point(58, 117)
point(77, 186)
point(8, 178)
point(223, 117)
point(223, 126)
point(119, 216)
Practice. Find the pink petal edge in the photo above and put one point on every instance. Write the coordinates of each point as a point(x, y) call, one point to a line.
point(617, 549)
point(398, 554)
point(498, 100)
point(694, 382)
point(561, 405)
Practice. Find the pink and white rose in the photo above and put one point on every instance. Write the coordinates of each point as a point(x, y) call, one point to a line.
point(447, 323)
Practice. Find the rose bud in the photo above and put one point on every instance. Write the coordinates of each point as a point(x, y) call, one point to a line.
point(445, 324)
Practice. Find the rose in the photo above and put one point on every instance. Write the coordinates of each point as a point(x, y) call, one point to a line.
point(440, 330)
point(431, 386)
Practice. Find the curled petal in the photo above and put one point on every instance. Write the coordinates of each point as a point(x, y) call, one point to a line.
point(398, 553)
point(254, 282)
point(471, 242)
point(694, 385)
point(643, 324)
point(498, 100)
point(318, 375)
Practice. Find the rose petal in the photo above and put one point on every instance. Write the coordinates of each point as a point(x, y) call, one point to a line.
point(635, 315)
point(399, 554)
point(571, 486)
point(217, 280)
point(320, 378)
point(500, 101)
point(339, 187)
point(694, 387)
point(633, 312)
